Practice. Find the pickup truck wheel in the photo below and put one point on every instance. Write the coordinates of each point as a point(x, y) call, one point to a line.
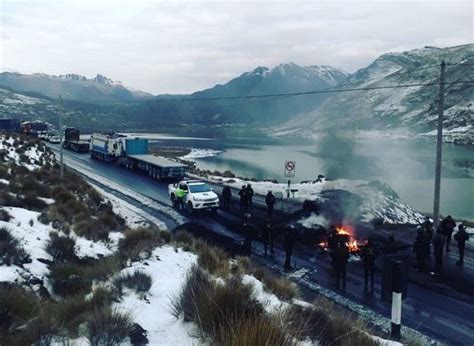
point(190, 208)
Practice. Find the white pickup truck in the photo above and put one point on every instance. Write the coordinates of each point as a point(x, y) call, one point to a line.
point(198, 195)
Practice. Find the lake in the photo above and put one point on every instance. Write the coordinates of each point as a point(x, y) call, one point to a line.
point(407, 166)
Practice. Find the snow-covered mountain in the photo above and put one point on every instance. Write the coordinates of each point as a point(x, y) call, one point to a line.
point(287, 77)
point(72, 86)
point(284, 78)
point(404, 111)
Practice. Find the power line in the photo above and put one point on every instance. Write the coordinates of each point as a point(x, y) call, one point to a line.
point(314, 92)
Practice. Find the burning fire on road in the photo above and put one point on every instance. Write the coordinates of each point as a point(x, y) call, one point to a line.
point(344, 234)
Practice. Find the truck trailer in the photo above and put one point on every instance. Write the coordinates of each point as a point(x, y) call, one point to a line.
point(72, 141)
point(132, 153)
point(37, 129)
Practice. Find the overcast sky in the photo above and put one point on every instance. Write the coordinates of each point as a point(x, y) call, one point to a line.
point(179, 47)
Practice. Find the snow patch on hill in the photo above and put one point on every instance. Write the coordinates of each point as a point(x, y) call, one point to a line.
point(168, 268)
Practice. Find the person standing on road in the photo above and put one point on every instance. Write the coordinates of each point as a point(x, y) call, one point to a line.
point(428, 229)
point(341, 258)
point(267, 237)
point(438, 247)
point(332, 245)
point(226, 196)
point(247, 233)
point(249, 193)
point(448, 225)
point(243, 199)
point(288, 243)
point(270, 202)
point(369, 254)
point(389, 245)
point(180, 194)
point(461, 237)
point(419, 248)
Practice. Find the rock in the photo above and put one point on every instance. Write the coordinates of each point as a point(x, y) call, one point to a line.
point(138, 335)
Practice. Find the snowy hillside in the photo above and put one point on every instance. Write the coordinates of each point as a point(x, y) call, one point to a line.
point(401, 112)
point(72, 86)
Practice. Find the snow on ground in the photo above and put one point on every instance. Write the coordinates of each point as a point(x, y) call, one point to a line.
point(33, 238)
point(32, 153)
point(4, 181)
point(168, 268)
point(89, 248)
point(269, 301)
point(133, 216)
point(200, 154)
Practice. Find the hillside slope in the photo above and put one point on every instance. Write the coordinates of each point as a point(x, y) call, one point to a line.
point(72, 87)
point(407, 111)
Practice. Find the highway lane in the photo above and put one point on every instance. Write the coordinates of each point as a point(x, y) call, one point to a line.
point(430, 312)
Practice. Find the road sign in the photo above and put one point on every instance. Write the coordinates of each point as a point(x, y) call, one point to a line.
point(290, 168)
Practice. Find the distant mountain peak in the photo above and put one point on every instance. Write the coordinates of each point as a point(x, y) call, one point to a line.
point(103, 80)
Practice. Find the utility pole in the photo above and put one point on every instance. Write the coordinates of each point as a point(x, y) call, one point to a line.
point(61, 113)
point(439, 148)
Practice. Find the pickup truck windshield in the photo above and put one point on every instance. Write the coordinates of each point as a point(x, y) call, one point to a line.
point(199, 188)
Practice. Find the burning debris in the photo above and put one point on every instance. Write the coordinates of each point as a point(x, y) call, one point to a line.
point(341, 234)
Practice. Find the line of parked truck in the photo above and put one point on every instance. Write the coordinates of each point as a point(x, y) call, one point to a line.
point(129, 152)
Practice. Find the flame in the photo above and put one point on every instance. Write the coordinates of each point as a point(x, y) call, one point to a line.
point(351, 242)
point(342, 231)
point(352, 245)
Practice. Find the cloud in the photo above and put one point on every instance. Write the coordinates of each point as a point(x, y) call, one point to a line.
point(183, 46)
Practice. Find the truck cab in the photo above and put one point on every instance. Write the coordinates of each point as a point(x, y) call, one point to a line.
point(198, 195)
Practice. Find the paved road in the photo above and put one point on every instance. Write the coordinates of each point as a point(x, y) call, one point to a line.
point(430, 312)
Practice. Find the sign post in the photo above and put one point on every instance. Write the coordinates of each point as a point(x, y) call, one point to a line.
point(290, 169)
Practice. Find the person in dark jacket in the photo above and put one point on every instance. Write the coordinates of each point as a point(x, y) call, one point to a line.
point(448, 225)
point(243, 199)
point(289, 238)
point(419, 248)
point(461, 237)
point(438, 247)
point(247, 233)
point(341, 257)
point(226, 196)
point(389, 245)
point(369, 254)
point(427, 226)
point(249, 194)
point(267, 237)
point(332, 245)
point(270, 202)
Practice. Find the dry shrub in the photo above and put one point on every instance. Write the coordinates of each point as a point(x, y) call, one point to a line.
point(327, 324)
point(69, 279)
point(214, 307)
point(107, 326)
point(32, 202)
point(259, 331)
point(4, 216)
point(139, 242)
point(138, 281)
point(11, 251)
point(283, 288)
point(19, 308)
point(183, 238)
point(61, 248)
point(215, 260)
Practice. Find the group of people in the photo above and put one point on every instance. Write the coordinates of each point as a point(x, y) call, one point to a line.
point(246, 194)
point(441, 241)
point(339, 251)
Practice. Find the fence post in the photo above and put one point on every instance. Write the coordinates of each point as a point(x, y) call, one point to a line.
point(396, 300)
